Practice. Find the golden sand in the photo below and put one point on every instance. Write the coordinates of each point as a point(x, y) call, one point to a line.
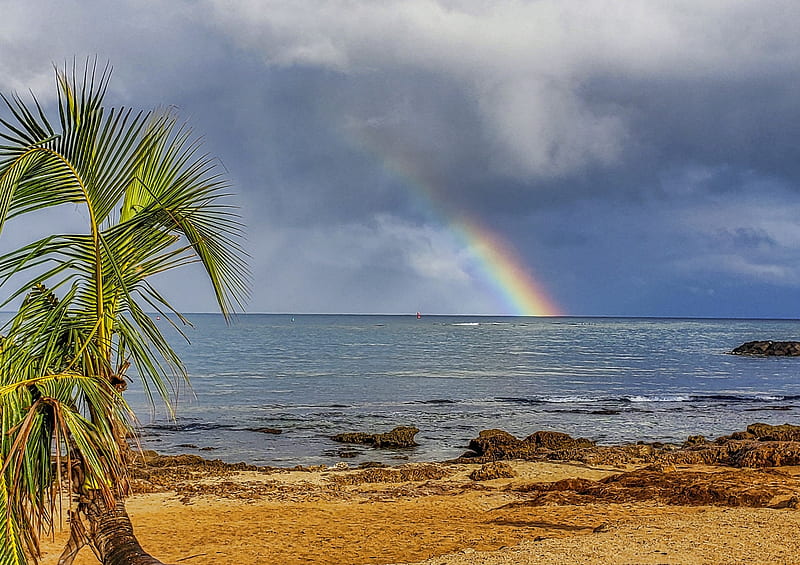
point(319, 517)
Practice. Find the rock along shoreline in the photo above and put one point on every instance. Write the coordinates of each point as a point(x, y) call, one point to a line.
point(768, 349)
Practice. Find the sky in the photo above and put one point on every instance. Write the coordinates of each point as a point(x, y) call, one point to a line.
point(569, 157)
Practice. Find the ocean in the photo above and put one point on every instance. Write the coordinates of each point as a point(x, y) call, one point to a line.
point(611, 380)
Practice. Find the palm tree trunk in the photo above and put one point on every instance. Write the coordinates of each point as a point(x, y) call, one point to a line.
point(113, 536)
point(108, 532)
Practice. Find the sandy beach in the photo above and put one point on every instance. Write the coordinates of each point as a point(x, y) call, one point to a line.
point(191, 511)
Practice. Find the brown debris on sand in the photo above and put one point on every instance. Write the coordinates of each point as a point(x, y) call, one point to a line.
point(626, 503)
point(151, 472)
point(732, 487)
point(402, 474)
point(493, 470)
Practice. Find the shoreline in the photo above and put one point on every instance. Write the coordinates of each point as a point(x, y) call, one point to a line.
point(543, 510)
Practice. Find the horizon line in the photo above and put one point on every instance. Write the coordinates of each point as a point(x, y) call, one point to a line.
point(445, 315)
point(554, 316)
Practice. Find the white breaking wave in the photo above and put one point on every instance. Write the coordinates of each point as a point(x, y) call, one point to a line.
point(665, 398)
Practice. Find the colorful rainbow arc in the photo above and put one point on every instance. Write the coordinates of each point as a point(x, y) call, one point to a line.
point(522, 294)
point(502, 267)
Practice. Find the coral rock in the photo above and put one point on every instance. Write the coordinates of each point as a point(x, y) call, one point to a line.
point(401, 436)
point(769, 348)
point(493, 470)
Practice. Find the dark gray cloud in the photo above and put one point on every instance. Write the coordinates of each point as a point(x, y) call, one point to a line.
point(640, 156)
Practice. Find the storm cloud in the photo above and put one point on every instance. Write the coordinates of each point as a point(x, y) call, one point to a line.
point(640, 157)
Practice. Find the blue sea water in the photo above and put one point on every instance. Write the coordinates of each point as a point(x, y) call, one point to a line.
point(609, 379)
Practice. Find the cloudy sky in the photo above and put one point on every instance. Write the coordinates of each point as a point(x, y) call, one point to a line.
point(624, 157)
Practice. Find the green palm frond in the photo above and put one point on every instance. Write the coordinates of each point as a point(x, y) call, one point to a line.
point(153, 203)
point(11, 545)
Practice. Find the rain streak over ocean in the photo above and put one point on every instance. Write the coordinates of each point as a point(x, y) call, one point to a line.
point(608, 379)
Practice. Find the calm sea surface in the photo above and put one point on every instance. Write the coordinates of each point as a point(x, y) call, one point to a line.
point(611, 380)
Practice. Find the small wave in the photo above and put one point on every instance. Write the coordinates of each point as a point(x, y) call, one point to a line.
point(192, 427)
point(264, 430)
point(743, 398)
point(550, 400)
point(659, 398)
point(749, 397)
point(433, 401)
point(571, 399)
point(466, 324)
point(647, 398)
point(598, 412)
point(516, 400)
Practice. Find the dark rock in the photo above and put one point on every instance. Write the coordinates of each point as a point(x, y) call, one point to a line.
point(493, 445)
point(767, 432)
point(372, 465)
point(761, 446)
point(401, 436)
point(767, 454)
point(557, 440)
point(769, 348)
point(266, 430)
point(493, 470)
point(353, 437)
point(496, 444)
point(695, 440)
point(740, 436)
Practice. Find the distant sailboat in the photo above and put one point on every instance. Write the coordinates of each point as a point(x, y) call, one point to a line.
point(419, 315)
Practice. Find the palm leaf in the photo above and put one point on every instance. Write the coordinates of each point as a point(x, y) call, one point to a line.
point(153, 202)
point(11, 548)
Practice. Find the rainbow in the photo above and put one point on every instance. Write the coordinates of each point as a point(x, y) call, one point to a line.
point(506, 272)
point(501, 266)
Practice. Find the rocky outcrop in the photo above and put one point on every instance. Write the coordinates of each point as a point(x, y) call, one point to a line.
point(767, 432)
point(752, 454)
point(401, 436)
point(494, 445)
point(759, 446)
point(769, 348)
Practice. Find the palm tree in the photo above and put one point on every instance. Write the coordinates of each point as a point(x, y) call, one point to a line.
point(152, 203)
